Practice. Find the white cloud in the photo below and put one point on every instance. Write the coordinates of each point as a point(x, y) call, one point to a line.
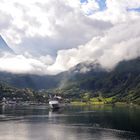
point(89, 7)
point(60, 21)
point(59, 28)
point(25, 64)
point(116, 11)
point(119, 43)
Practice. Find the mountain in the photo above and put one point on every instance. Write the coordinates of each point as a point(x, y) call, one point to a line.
point(89, 75)
point(29, 81)
point(122, 83)
point(38, 82)
point(86, 67)
point(4, 47)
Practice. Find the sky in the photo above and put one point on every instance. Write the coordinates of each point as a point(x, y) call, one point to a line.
point(53, 36)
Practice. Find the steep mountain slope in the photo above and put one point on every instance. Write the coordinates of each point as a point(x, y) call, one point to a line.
point(48, 81)
point(29, 81)
point(123, 82)
point(4, 47)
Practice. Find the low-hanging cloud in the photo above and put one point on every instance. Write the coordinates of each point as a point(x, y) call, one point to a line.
point(22, 64)
point(119, 43)
point(59, 34)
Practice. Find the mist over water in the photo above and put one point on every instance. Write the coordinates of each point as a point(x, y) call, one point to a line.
point(71, 123)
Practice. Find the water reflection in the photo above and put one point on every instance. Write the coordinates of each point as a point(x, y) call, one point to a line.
point(72, 123)
point(35, 131)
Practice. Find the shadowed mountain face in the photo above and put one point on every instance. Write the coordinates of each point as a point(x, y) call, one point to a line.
point(122, 83)
point(37, 82)
point(4, 47)
point(86, 67)
point(29, 81)
point(89, 76)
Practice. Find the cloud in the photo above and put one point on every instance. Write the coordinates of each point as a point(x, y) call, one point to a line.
point(117, 11)
point(5, 20)
point(25, 64)
point(59, 24)
point(53, 36)
point(89, 6)
point(119, 43)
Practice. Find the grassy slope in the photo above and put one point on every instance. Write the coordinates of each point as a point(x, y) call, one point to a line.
point(120, 85)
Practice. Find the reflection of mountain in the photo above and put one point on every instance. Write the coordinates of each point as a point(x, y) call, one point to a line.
point(4, 47)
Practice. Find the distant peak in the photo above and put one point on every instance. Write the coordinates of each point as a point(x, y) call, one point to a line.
point(4, 47)
point(1, 37)
point(87, 66)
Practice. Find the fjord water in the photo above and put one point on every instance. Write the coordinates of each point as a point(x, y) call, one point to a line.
point(105, 122)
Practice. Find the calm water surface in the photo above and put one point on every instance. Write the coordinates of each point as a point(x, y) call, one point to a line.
point(70, 123)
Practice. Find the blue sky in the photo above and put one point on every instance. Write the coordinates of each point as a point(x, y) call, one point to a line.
point(102, 3)
point(134, 9)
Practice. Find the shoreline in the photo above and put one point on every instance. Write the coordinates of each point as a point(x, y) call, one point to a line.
point(76, 103)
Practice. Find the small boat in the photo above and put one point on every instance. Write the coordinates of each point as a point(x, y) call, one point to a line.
point(54, 104)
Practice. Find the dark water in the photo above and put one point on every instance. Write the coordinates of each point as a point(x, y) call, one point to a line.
point(70, 123)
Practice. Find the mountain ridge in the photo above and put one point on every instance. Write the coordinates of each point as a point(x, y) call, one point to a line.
point(4, 47)
point(122, 83)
